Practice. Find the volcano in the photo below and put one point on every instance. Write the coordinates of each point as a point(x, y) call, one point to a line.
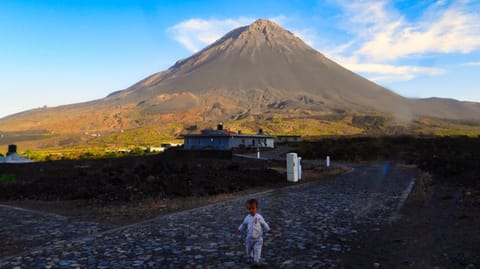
point(264, 68)
point(254, 73)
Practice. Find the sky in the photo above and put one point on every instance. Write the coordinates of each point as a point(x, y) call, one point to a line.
point(56, 52)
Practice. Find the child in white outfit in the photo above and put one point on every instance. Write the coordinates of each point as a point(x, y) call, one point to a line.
point(254, 225)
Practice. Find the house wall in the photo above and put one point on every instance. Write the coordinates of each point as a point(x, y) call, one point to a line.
point(270, 142)
point(206, 142)
point(252, 142)
point(226, 142)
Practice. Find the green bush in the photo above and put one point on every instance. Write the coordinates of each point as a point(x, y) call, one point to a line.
point(87, 155)
point(7, 178)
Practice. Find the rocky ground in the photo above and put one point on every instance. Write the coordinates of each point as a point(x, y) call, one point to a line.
point(315, 225)
point(168, 175)
point(436, 228)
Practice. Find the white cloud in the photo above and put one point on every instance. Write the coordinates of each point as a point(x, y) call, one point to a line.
point(383, 34)
point(308, 35)
point(381, 72)
point(380, 37)
point(404, 71)
point(194, 34)
point(471, 64)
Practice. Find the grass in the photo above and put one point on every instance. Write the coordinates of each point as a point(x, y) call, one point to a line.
point(7, 178)
point(294, 126)
point(84, 153)
point(447, 128)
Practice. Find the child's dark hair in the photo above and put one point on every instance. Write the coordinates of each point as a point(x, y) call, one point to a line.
point(252, 202)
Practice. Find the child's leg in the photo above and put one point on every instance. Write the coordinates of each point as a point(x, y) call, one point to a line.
point(249, 247)
point(257, 250)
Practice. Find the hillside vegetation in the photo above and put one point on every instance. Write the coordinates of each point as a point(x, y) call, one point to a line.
point(99, 143)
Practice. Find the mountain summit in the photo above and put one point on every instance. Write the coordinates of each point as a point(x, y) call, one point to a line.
point(254, 73)
point(263, 66)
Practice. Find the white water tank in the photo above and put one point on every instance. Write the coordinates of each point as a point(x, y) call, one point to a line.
point(292, 167)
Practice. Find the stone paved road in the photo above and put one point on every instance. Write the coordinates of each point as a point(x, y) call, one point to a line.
point(33, 228)
point(313, 224)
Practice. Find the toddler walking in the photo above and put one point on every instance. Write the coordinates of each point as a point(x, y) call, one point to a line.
point(253, 225)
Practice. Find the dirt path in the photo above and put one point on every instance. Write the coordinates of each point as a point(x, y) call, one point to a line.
point(314, 223)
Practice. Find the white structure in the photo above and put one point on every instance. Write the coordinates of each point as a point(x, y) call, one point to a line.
point(292, 167)
point(299, 168)
point(156, 149)
point(13, 157)
point(163, 147)
point(224, 140)
point(327, 162)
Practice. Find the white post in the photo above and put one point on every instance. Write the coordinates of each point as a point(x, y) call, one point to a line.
point(258, 153)
point(299, 165)
point(328, 161)
point(292, 169)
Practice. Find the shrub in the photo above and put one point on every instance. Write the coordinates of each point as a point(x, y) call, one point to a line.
point(7, 178)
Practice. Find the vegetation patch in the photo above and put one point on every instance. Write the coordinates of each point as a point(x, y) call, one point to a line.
point(18, 136)
point(7, 178)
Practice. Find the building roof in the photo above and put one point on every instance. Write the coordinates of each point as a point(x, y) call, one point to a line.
point(218, 134)
point(14, 158)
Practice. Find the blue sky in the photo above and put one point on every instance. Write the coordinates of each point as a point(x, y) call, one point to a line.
point(64, 51)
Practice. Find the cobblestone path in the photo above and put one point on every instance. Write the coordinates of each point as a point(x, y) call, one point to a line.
point(313, 226)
